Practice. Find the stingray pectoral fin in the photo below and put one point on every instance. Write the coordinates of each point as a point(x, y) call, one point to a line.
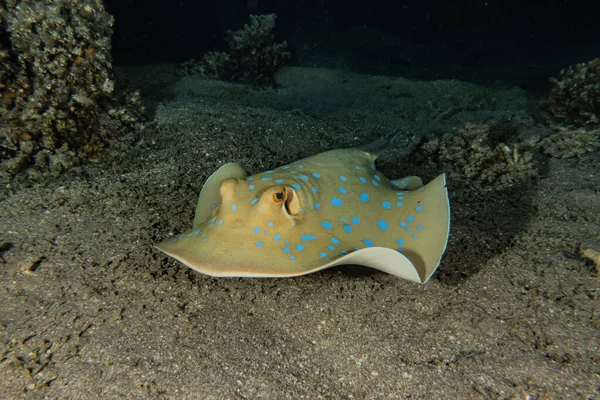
point(194, 253)
point(409, 183)
point(382, 259)
point(427, 249)
point(210, 195)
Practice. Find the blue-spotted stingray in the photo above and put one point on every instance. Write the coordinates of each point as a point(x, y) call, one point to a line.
point(333, 208)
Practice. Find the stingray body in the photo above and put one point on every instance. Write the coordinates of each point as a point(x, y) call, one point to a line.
point(330, 209)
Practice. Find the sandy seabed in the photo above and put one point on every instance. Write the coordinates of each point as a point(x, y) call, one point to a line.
point(89, 309)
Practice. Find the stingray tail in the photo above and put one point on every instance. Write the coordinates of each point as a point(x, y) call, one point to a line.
point(379, 146)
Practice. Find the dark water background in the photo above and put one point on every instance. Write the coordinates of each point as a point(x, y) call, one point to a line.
point(495, 42)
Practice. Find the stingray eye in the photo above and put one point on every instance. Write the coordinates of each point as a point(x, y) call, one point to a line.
point(279, 196)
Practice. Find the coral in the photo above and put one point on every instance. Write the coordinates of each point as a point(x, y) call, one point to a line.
point(470, 156)
point(190, 67)
point(57, 84)
point(575, 95)
point(214, 64)
point(253, 55)
point(570, 143)
point(593, 256)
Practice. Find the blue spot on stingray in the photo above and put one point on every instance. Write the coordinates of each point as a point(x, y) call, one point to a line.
point(377, 177)
point(233, 207)
point(336, 202)
point(269, 172)
point(404, 184)
point(211, 226)
point(400, 249)
point(266, 232)
point(287, 242)
point(259, 244)
point(363, 180)
point(347, 228)
point(306, 238)
point(355, 220)
point(408, 228)
point(317, 205)
point(373, 167)
point(383, 225)
point(403, 224)
point(314, 189)
point(356, 167)
point(277, 238)
point(335, 240)
point(292, 257)
point(343, 178)
point(300, 247)
point(410, 218)
point(271, 224)
point(285, 167)
point(364, 197)
point(278, 180)
point(250, 179)
point(300, 166)
point(220, 222)
point(400, 241)
point(375, 183)
point(213, 219)
point(419, 228)
point(386, 205)
point(414, 235)
point(303, 177)
point(399, 204)
point(330, 247)
point(253, 202)
point(368, 243)
point(197, 231)
point(256, 229)
point(266, 178)
point(316, 175)
point(326, 224)
point(342, 219)
point(343, 252)
point(418, 208)
point(342, 190)
point(302, 210)
point(323, 254)
point(287, 250)
point(296, 186)
point(213, 206)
